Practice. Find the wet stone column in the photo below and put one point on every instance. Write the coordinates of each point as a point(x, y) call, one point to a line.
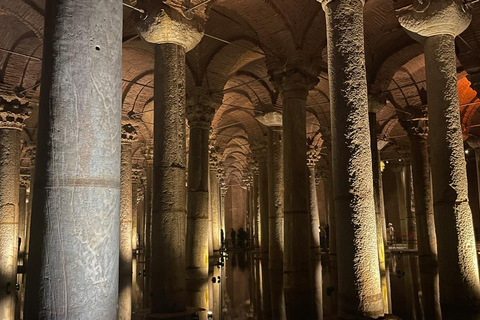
point(199, 119)
point(273, 121)
point(359, 283)
point(375, 104)
point(436, 27)
point(74, 248)
point(260, 153)
point(313, 155)
point(12, 120)
point(299, 299)
point(172, 37)
point(129, 135)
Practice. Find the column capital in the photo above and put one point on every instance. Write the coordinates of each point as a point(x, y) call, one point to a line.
point(415, 128)
point(259, 151)
point(294, 83)
point(13, 114)
point(138, 175)
point(129, 133)
point(376, 103)
point(427, 18)
point(200, 116)
point(326, 2)
point(148, 152)
point(30, 152)
point(213, 157)
point(313, 155)
point(473, 141)
point(272, 120)
point(162, 24)
point(25, 181)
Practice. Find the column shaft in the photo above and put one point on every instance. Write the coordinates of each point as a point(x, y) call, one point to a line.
point(167, 283)
point(9, 219)
point(263, 202)
point(458, 265)
point(360, 291)
point(147, 226)
point(214, 207)
point(74, 249)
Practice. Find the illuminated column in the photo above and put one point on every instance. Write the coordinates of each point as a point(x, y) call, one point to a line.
point(172, 36)
point(474, 142)
point(436, 26)
point(273, 121)
point(199, 120)
point(260, 153)
point(138, 191)
point(398, 167)
point(12, 120)
point(214, 200)
point(129, 134)
point(299, 300)
point(417, 132)
point(315, 254)
point(74, 248)
point(359, 284)
point(147, 222)
point(374, 106)
point(22, 235)
point(256, 212)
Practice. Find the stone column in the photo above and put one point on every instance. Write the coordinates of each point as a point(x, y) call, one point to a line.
point(398, 167)
point(374, 106)
point(172, 36)
point(129, 134)
point(260, 153)
point(273, 121)
point(12, 120)
point(299, 299)
point(256, 212)
point(474, 142)
point(199, 119)
point(214, 201)
point(74, 248)
point(315, 252)
point(138, 191)
point(22, 235)
point(436, 27)
point(147, 222)
point(359, 282)
point(417, 132)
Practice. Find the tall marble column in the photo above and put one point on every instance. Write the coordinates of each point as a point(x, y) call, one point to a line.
point(273, 121)
point(260, 153)
point(12, 120)
point(74, 247)
point(299, 300)
point(199, 117)
point(359, 282)
point(313, 156)
point(172, 36)
point(436, 27)
point(375, 104)
point(129, 134)
point(417, 132)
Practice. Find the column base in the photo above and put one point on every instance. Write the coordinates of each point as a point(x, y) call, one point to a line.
point(183, 315)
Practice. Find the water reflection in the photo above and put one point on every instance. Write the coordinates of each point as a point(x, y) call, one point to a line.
point(247, 291)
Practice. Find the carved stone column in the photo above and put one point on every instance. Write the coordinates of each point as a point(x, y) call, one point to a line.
point(299, 300)
point(273, 121)
point(260, 153)
point(74, 247)
point(436, 26)
point(360, 292)
point(199, 119)
point(129, 134)
point(375, 104)
point(12, 120)
point(173, 36)
point(417, 131)
point(313, 155)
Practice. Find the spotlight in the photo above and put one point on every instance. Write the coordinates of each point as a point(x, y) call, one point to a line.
point(210, 315)
point(467, 151)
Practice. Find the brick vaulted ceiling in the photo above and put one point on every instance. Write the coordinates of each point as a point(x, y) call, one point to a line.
point(245, 41)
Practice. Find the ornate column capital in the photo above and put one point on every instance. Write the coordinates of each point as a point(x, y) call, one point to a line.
point(148, 151)
point(30, 152)
point(376, 103)
point(129, 133)
point(294, 83)
point(427, 18)
point(25, 181)
point(13, 114)
point(313, 155)
point(200, 116)
point(272, 120)
point(415, 125)
point(163, 24)
point(259, 151)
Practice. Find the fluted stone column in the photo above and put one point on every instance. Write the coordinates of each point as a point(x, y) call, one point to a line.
point(12, 120)
point(147, 221)
point(199, 119)
point(74, 247)
point(299, 299)
point(273, 121)
point(374, 106)
point(129, 134)
point(173, 36)
point(417, 132)
point(436, 27)
point(313, 156)
point(260, 153)
point(360, 291)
